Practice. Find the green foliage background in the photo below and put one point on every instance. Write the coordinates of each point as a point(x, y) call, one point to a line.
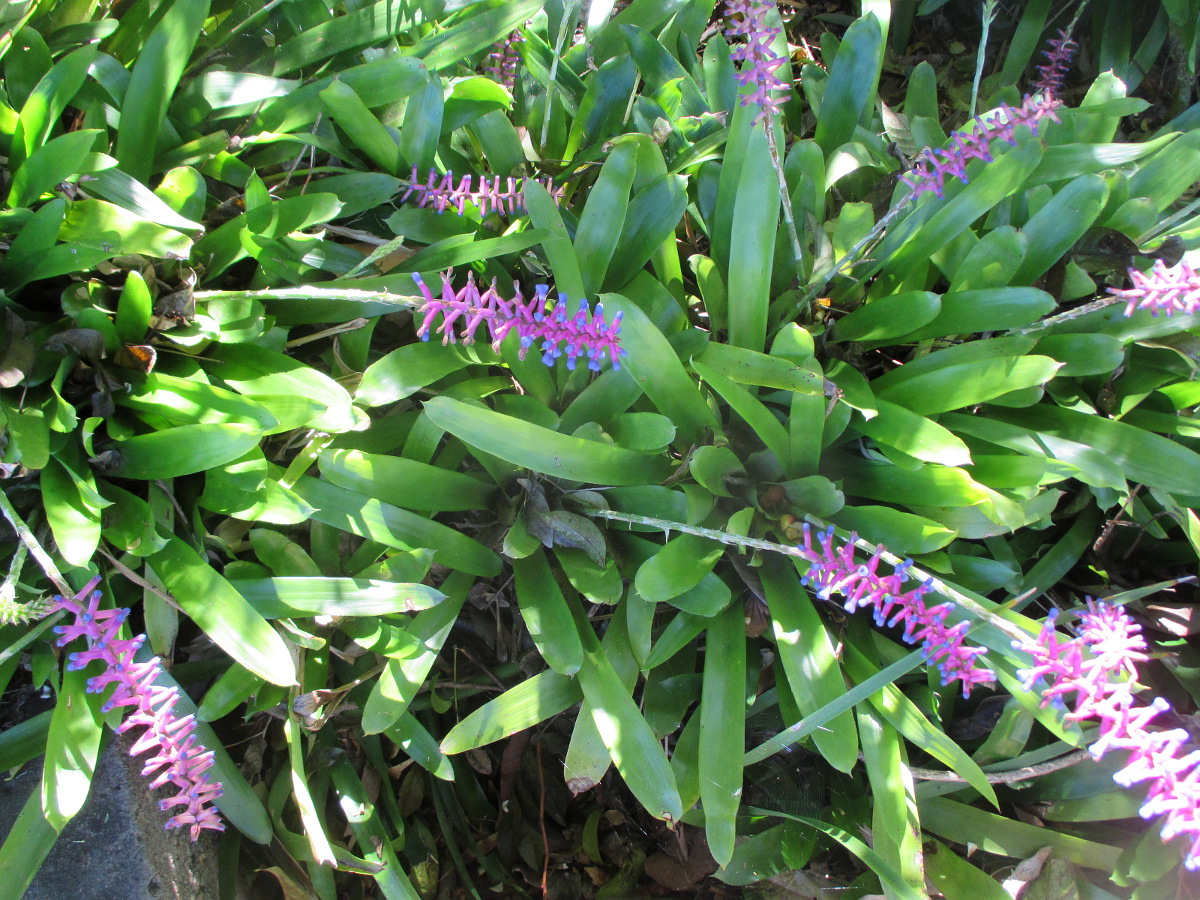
point(329, 502)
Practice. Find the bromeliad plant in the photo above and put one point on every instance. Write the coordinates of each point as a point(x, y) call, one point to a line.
point(372, 547)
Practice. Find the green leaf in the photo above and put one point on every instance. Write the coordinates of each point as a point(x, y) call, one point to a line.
point(603, 216)
point(677, 567)
point(722, 730)
point(807, 656)
point(379, 82)
point(894, 821)
point(184, 450)
point(187, 402)
point(72, 747)
point(450, 46)
point(656, 368)
point(365, 131)
point(45, 105)
point(850, 90)
point(996, 834)
point(903, 533)
point(395, 527)
point(987, 309)
point(652, 217)
point(543, 213)
point(406, 370)
point(636, 752)
point(752, 245)
point(919, 437)
point(887, 875)
point(529, 703)
point(263, 374)
point(134, 309)
point(760, 370)
point(411, 737)
point(364, 26)
point(400, 680)
point(279, 598)
point(921, 235)
point(155, 74)
point(405, 482)
point(53, 162)
point(101, 225)
point(542, 450)
point(968, 383)
point(1143, 457)
point(888, 317)
point(906, 717)
point(603, 105)
point(224, 615)
point(26, 847)
point(74, 521)
point(546, 614)
point(1055, 228)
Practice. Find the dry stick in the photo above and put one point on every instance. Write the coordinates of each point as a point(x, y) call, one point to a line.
point(29, 539)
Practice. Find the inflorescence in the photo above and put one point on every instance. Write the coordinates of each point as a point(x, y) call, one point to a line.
point(1058, 59)
point(1096, 671)
point(501, 195)
point(931, 169)
point(834, 570)
point(502, 61)
point(585, 334)
point(749, 20)
point(1162, 289)
point(179, 758)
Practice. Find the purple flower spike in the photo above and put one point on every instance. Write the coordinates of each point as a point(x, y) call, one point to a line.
point(584, 334)
point(179, 758)
point(1058, 60)
point(502, 61)
point(502, 196)
point(834, 570)
point(1162, 290)
point(748, 19)
point(1097, 670)
point(931, 169)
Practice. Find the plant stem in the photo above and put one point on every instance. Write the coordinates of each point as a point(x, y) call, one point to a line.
point(989, 14)
point(29, 539)
point(785, 198)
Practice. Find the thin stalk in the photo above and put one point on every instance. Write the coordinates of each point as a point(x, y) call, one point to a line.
point(29, 539)
point(848, 258)
point(989, 15)
point(785, 198)
point(313, 293)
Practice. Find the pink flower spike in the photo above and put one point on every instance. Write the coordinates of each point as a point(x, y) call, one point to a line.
point(833, 569)
point(1162, 289)
point(748, 18)
point(1098, 668)
point(585, 334)
point(183, 760)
